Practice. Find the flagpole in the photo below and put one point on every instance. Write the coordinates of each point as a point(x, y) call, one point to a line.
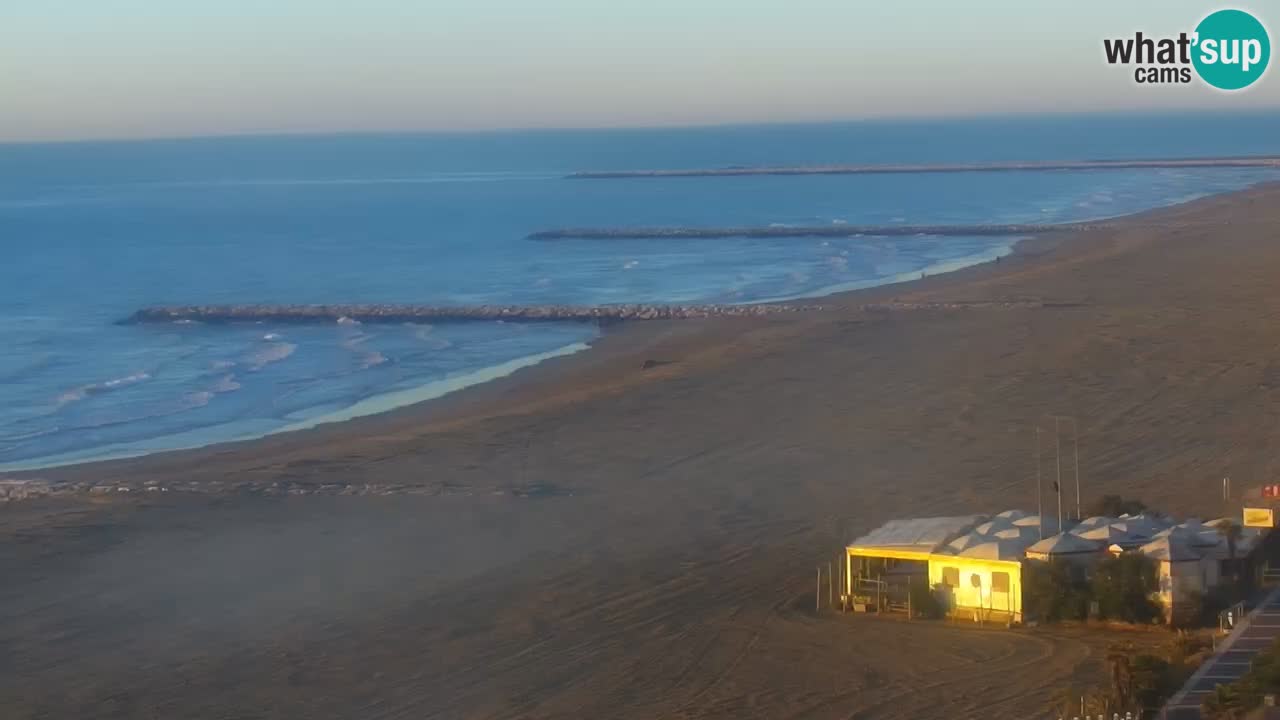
point(1075, 439)
point(1057, 458)
point(1039, 492)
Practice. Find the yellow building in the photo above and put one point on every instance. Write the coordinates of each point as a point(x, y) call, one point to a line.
point(971, 574)
point(986, 588)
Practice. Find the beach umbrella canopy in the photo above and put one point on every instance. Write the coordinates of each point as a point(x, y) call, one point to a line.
point(1012, 515)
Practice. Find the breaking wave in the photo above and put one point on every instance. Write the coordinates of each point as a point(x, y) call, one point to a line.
point(85, 391)
point(272, 353)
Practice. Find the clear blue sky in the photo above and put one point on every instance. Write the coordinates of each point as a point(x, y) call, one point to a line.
point(73, 69)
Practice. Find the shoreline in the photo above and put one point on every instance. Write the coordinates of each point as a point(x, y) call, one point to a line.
point(616, 342)
point(642, 522)
point(424, 394)
point(1015, 166)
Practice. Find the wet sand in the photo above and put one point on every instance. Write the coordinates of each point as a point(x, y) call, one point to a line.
point(602, 540)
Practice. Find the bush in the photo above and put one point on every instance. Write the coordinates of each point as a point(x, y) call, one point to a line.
point(1154, 680)
point(1123, 586)
point(924, 603)
point(1051, 592)
point(1115, 506)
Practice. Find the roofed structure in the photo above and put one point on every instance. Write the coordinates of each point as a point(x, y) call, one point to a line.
point(1064, 544)
point(914, 535)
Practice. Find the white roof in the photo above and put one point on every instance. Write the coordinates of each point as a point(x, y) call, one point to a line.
point(1170, 548)
point(996, 549)
point(965, 541)
point(1065, 544)
point(994, 525)
point(1092, 522)
point(1112, 533)
point(1033, 522)
point(1145, 523)
point(1028, 534)
point(1195, 533)
point(917, 534)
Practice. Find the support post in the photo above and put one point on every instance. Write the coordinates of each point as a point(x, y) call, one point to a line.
point(831, 587)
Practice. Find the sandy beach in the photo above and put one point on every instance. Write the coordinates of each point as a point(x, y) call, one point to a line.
point(592, 537)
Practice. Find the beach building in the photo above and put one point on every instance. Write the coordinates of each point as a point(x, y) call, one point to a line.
point(1185, 571)
point(984, 580)
point(1067, 547)
point(973, 564)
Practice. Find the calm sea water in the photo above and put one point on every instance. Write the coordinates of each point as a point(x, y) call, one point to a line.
point(92, 231)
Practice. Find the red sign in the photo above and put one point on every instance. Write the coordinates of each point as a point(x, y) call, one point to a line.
point(1271, 491)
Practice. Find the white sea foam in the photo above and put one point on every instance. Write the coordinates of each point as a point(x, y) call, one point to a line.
point(226, 383)
point(272, 353)
point(344, 320)
point(941, 266)
point(85, 391)
point(198, 399)
point(203, 437)
point(432, 390)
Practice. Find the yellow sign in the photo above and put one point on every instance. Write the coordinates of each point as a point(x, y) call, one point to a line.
point(1259, 517)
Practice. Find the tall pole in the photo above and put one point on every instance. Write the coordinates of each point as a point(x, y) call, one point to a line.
point(1075, 437)
point(1057, 458)
point(1039, 492)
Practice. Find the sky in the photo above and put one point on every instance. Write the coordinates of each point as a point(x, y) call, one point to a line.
point(88, 69)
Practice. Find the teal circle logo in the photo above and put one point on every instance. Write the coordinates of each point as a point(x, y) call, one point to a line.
point(1232, 49)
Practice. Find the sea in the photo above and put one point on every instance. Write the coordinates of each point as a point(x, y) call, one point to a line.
point(92, 231)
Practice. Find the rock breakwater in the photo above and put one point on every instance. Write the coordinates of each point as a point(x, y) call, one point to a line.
point(601, 314)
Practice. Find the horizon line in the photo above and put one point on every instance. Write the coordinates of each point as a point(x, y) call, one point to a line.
point(304, 134)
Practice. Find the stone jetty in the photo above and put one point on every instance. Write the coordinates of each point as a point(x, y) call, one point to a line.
point(600, 314)
point(1269, 161)
point(806, 231)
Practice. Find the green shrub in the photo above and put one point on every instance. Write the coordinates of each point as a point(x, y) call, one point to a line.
point(1123, 587)
point(1115, 506)
point(924, 602)
point(1052, 592)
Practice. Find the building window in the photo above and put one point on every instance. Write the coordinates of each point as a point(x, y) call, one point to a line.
point(951, 577)
point(1000, 582)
